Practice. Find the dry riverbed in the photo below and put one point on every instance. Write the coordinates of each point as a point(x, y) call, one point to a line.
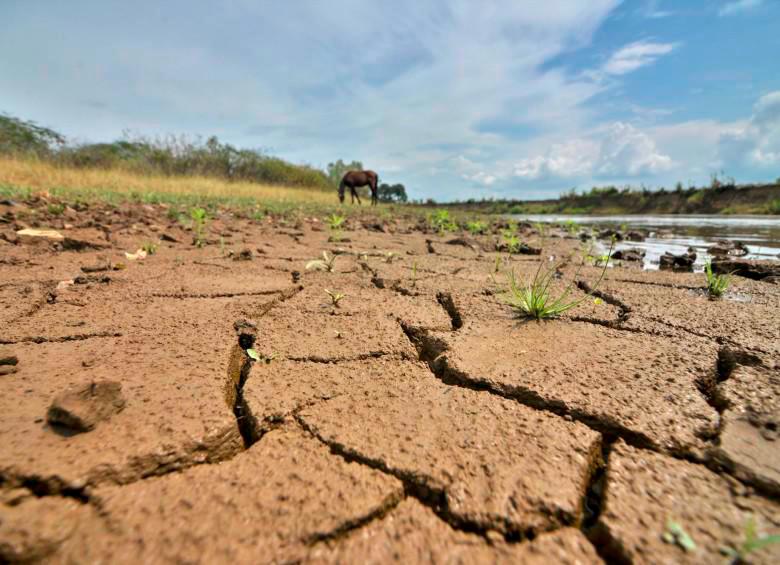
point(418, 420)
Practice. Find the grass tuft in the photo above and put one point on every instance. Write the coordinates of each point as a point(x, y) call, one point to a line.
point(716, 284)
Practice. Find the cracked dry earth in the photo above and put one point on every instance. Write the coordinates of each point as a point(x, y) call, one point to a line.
point(419, 421)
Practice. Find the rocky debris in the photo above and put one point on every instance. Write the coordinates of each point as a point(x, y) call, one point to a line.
point(427, 539)
point(465, 242)
point(594, 378)
point(646, 491)
point(243, 255)
point(278, 498)
point(33, 528)
point(479, 454)
point(749, 442)
point(634, 235)
point(70, 244)
point(682, 262)
point(8, 362)
point(629, 255)
point(767, 271)
point(521, 249)
point(728, 247)
point(82, 407)
point(610, 233)
point(169, 238)
point(33, 235)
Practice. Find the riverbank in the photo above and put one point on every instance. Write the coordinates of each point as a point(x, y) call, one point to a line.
point(719, 199)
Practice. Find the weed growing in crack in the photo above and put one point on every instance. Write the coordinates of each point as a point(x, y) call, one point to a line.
point(753, 542)
point(335, 297)
point(199, 218)
point(441, 221)
point(513, 243)
point(255, 355)
point(675, 534)
point(716, 284)
point(327, 263)
point(413, 278)
point(335, 224)
point(497, 265)
point(534, 300)
point(150, 248)
point(476, 227)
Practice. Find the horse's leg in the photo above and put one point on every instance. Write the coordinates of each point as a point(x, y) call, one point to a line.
point(374, 196)
point(355, 193)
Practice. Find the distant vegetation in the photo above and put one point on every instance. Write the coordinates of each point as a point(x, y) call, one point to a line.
point(722, 196)
point(172, 156)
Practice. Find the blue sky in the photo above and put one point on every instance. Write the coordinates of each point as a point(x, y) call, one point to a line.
point(455, 99)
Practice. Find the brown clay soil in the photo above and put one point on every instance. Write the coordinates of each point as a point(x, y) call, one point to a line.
point(420, 420)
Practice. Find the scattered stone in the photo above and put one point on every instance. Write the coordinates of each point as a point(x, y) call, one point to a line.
point(8, 358)
point(168, 238)
point(609, 233)
point(522, 249)
point(70, 244)
point(296, 276)
point(635, 236)
point(86, 279)
point(81, 407)
point(766, 271)
point(97, 267)
point(629, 255)
point(731, 248)
point(244, 255)
point(7, 369)
point(682, 262)
point(32, 235)
point(7, 202)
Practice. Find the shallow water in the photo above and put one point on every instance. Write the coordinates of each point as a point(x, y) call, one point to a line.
point(675, 233)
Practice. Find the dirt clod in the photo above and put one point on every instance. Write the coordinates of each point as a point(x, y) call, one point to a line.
point(82, 407)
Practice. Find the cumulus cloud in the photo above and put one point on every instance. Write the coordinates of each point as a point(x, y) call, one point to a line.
point(636, 55)
point(731, 8)
point(619, 150)
point(756, 143)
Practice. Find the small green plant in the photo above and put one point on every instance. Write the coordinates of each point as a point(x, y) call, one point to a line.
point(390, 256)
point(774, 206)
point(716, 284)
point(56, 209)
point(255, 355)
point(199, 218)
point(534, 300)
point(150, 248)
point(571, 227)
point(413, 278)
point(476, 227)
point(676, 535)
point(441, 222)
point(335, 222)
point(325, 264)
point(753, 542)
point(335, 297)
point(513, 242)
point(497, 265)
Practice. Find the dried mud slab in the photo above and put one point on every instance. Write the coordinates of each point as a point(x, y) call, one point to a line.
point(645, 490)
point(639, 387)
point(33, 528)
point(172, 365)
point(267, 504)
point(749, 442)
point(489, 462)
point(413, 534)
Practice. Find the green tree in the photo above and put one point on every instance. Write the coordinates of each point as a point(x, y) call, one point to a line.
point(391, 192)
point(339, 168)
point(21, 136)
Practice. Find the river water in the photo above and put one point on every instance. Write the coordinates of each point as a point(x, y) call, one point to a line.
point(676, 233)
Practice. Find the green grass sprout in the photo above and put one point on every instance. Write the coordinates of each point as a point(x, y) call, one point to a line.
point(716, 284)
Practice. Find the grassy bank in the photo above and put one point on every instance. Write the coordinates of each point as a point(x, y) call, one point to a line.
point(24, 176)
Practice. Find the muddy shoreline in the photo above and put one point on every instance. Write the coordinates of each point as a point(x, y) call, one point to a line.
point(213, 404)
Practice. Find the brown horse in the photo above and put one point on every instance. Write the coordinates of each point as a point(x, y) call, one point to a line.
point(356, 179)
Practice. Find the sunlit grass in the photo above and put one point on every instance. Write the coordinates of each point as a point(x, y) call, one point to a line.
point(34, 175)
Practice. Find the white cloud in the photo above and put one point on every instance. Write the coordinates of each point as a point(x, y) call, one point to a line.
point(618, 150)
point(756, 143)
point(636, 55)
point(731, 8)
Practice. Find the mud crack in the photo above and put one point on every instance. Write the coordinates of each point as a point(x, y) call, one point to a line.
point(623, 308)
point(60, 339)
point(446, 301)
